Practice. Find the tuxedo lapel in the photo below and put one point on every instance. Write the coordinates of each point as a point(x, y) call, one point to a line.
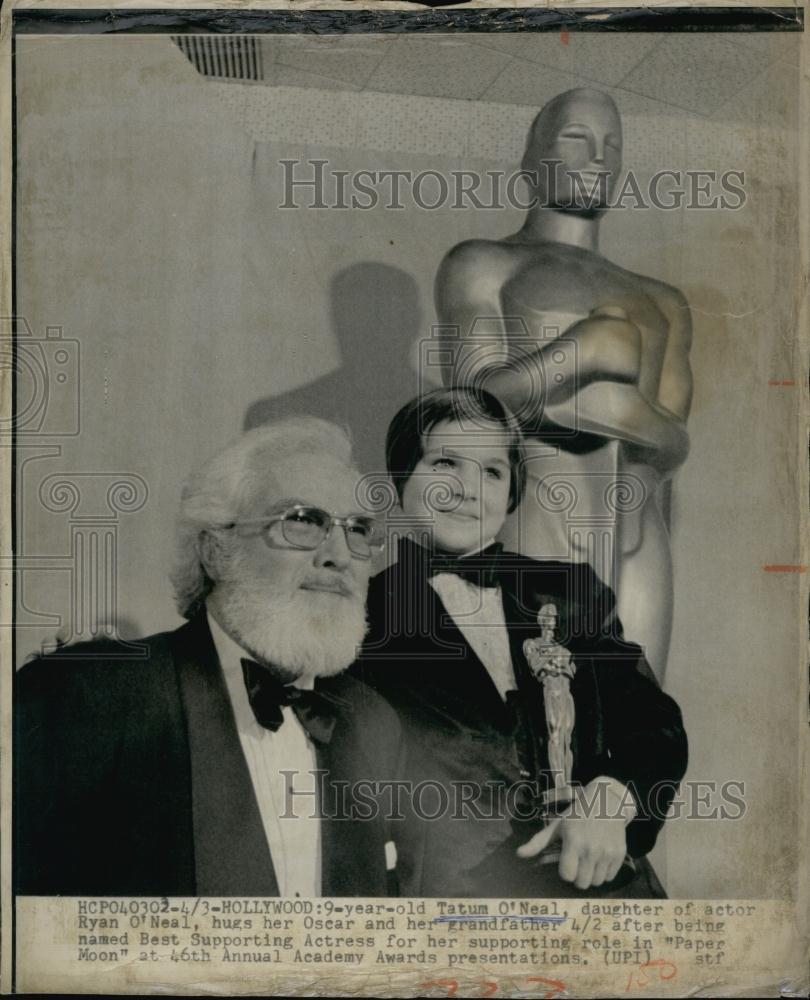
point(441, 662)
point(531, 732)
point(464, 674)
point(519, 629)
point(230, 847)
point(352, 843)
point(352, 852)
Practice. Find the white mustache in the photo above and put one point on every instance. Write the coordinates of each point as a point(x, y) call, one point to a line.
point(330, 585)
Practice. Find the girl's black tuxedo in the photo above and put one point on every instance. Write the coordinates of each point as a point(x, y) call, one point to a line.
point(459, 729)
point(130, 777)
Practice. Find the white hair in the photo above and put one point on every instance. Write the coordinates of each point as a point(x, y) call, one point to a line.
point(215, 494)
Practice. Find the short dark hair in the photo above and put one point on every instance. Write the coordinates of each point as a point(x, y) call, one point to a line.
point(404, 442)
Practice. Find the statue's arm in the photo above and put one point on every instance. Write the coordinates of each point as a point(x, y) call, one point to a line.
point(484, 346)
point(675, 390)
point(468, 305)
point(597, 360)
point(652, 423)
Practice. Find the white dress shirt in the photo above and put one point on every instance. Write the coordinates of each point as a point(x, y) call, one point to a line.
point(291, 824)
point(478, 613)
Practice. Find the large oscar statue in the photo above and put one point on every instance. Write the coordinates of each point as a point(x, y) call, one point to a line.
point(593, 358)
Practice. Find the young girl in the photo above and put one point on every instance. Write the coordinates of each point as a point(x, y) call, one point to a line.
point(448, 623)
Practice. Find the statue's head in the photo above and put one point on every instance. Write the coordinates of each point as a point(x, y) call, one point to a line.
point(547, 616)
point(574, 151)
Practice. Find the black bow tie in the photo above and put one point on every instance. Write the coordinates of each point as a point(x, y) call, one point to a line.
point(480, 568)
point(267, 695)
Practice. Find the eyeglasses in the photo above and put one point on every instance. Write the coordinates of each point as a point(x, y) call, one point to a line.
point(308, 527)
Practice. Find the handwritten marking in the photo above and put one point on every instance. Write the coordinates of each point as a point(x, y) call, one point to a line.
point(451, 985)
point(534, 918)
point(564, 37)
point(642, 980)
point(557, 986)
point(490, 988)
point(778, 568)
point(783, 381)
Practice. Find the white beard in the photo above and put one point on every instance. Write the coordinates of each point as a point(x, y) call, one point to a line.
point(308, 634)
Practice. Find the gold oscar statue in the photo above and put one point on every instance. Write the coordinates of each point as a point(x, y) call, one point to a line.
point(593, 358)
point(553, 667)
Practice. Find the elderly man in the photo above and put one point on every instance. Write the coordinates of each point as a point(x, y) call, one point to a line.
point(189, 770)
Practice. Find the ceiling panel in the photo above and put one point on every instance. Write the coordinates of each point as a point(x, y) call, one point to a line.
point(523, 82)
point(695, 72)
point(530, 84)
point(437, 67)
point(711, 76)
point(346, 58)
point(771, 99)
point(775, 46)
point(602, 58)
point(279, 75)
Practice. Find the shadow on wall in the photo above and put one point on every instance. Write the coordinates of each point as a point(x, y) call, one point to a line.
point(376, 319)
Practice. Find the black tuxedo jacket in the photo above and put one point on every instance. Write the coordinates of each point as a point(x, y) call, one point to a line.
point(130, 777)
point(459, 729)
